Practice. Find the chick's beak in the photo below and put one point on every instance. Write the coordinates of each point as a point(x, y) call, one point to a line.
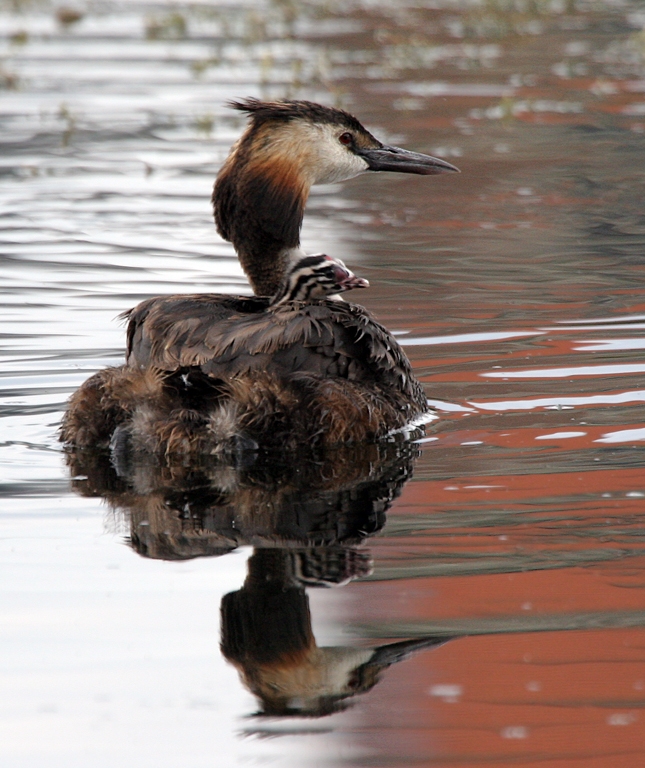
point(355, 282)
point(396, 159)
point(347, 280)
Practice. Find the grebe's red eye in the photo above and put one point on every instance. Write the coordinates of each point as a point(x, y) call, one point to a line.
point(346, 138)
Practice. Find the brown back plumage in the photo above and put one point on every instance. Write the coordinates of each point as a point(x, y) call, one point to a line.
point(210, 374)
point(227, 338)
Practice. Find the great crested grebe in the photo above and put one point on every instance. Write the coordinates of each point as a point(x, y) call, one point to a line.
point(293, 364)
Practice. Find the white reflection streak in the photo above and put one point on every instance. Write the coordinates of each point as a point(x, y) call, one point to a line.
point(636, 396)
point(621, 319)
point(563, 373)
point(578, 328)
point(623, 436)
point(443, 405)
point(465, 338)
point(560, 435)
point(605, 345)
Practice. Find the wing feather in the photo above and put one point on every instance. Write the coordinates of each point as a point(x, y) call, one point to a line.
point(227, 336)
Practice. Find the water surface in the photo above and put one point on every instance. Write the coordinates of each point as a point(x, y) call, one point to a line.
point(517, 290)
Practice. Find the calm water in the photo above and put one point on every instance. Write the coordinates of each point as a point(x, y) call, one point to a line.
point(509, 568)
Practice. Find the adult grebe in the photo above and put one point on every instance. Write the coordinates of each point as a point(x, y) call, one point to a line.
point(210, 373)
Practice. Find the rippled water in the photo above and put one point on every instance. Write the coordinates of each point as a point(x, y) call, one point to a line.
point(516, 289)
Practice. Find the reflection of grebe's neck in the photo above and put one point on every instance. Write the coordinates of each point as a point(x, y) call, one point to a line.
point(267, 635)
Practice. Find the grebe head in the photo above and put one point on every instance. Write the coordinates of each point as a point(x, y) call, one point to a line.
point(261, 191)
point(317, 277)
point(321, 144)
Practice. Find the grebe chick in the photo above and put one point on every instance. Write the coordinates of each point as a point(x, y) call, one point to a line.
point(317, 277)
point(281, 368)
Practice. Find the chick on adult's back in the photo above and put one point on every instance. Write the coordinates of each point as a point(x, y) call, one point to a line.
point(292, 364)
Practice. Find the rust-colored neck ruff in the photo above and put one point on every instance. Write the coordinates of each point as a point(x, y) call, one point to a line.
point(259, 200)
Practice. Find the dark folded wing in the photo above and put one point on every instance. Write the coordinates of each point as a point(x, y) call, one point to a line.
point(230, 336)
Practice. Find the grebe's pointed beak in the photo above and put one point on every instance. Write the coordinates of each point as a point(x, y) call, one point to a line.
point(396, 159)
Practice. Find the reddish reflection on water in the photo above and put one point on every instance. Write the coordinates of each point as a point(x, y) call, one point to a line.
point(547, 571)
point(521, 535)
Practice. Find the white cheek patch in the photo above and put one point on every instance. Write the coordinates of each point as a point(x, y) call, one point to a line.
point(326, 160)
point(335, 161)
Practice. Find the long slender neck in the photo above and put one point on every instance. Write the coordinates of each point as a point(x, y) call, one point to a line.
point(259, 203)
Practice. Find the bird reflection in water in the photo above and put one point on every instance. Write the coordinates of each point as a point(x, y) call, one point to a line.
point(267, 635)
point(306, 520)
